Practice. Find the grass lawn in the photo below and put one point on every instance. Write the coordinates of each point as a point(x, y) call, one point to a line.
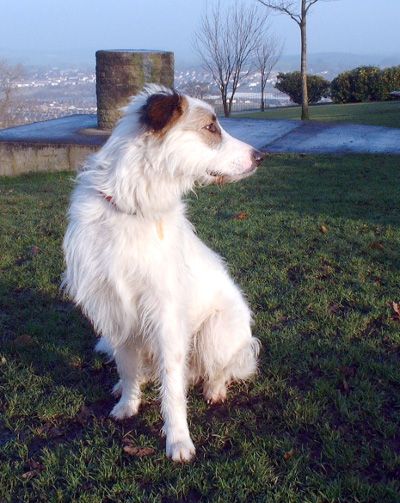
point(386, 113)
point(314, 242)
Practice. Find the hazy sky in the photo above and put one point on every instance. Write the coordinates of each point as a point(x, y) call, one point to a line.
point(353, 26)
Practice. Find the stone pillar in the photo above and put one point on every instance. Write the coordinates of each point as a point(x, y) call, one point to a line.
point(121, 74)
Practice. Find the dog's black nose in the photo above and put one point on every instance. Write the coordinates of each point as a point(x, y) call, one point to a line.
point(258, 157)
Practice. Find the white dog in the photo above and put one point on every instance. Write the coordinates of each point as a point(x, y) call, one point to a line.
point(162, 302)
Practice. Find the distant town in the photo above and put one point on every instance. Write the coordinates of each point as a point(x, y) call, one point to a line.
point(50, 93)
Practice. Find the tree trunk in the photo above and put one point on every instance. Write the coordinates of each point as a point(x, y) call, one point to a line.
point(225, 102)
point(262, 101)
point(226, 109)
point(303, 33)
point(229, 107)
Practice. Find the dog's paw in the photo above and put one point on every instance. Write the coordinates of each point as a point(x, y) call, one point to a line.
point(124, 409)
point(215, 393)
point(117, 389)
point(181, 451)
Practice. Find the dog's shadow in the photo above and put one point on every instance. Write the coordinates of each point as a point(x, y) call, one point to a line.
point(47, 339)
point(49, 342)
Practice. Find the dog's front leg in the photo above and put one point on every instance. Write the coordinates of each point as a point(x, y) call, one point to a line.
point(128, 359)
point(172, 353)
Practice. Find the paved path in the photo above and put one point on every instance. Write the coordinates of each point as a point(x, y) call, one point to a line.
point(69, 130)
point(272, 135)
point(315, 137)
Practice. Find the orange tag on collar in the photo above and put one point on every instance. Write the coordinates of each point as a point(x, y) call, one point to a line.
point(160, 229)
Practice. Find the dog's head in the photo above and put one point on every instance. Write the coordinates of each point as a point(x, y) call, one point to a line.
point(182, 135)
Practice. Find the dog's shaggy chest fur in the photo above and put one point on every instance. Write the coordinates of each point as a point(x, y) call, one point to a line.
point(162, 302)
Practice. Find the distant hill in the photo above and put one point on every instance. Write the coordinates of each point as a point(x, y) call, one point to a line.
point(328, 64)
point(332, 63)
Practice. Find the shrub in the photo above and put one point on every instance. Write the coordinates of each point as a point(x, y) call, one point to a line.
point(390, 81)
point(290, 84)
point(365, 83)
point(341, 88)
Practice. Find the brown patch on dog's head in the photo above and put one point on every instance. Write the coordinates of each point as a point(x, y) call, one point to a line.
point(161, 111)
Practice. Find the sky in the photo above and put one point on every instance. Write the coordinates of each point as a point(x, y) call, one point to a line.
point(83, 26)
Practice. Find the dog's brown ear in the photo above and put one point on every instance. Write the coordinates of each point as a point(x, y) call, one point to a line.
point(160, 110)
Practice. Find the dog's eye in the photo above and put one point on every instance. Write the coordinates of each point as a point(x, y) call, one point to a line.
point(211, 127)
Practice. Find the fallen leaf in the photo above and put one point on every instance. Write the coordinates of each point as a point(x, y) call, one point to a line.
point(376, 245)
point(134, 450)
point(334, 309)
point(35, 465)
point(23, 340)
point(345, 386)
point(54, 432)
point(325, 272)
point(30, 474)
point(241, 216)
point(49, 430)
point(323, 228)
point(83, 415)
point(289, 454)
point(396, 311)
point(396, 308)
point(34, 250)
point(348, 371)
point(139, 452)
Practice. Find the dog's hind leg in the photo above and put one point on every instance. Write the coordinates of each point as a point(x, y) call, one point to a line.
point(225, 348)
point(129, 365)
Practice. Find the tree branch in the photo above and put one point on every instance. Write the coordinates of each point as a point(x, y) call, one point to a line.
point(309, 4)
point(284, 8)
point(226, 44)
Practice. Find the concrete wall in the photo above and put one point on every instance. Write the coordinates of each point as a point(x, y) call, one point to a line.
point(17, 157)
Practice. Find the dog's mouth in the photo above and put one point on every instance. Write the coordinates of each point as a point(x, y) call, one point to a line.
point(221, 178)
point(217, 178)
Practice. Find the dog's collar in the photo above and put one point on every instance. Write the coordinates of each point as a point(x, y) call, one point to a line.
point(108, 198)
point(112, 202)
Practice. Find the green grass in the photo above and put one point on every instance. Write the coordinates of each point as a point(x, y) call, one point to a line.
point(386, 113)
point(320, 423)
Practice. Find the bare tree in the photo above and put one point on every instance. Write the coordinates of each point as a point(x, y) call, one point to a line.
point(9, 76)
point(289, 7)
point(267, 56)
point(226, 42)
